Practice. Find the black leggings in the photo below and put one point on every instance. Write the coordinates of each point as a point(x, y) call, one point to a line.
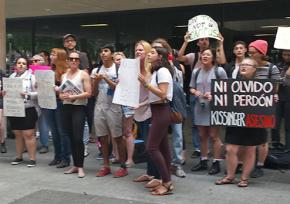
point(74, 122)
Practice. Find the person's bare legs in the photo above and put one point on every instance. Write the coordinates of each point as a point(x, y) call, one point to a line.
point(30, 142)
point(19, 142)
point(216, 141)
point(121, 145)
point(248, 165)
point(231, 159)
point(105, 149)
point(262, 153)
point(203, 132)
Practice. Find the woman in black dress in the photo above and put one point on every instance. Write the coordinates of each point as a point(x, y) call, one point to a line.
point(241, 137)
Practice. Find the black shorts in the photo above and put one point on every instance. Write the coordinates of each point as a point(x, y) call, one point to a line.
point(24, 123)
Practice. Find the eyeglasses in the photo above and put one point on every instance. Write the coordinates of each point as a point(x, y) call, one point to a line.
point(246, 65)
point(74, 59)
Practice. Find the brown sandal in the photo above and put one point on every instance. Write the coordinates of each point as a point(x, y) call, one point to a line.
point(143, 178)
point(164, 189)
point(224, 181)
point(153, 183)
point(243, 183)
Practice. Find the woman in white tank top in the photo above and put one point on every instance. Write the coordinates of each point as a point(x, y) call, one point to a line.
point(74, 91)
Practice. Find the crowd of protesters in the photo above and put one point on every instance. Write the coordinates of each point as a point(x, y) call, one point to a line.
point(111, 125)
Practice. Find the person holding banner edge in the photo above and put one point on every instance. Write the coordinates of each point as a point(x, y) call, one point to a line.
point(247, 138)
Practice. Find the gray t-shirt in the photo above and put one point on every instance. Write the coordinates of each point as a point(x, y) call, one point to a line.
point(203, 84)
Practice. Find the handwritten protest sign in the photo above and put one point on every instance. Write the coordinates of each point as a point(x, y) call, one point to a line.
point(243, 103)
point(202, 26)
point(45, 87)
point(13, 103)
point(128, 89)
point(282, 40)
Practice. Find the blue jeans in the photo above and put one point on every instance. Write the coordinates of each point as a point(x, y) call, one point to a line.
point(194, 130)
point(60, 138)
point(177, 143)
point(143, 129)
point(43, 128)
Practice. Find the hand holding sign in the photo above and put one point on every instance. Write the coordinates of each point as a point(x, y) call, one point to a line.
point(202, 26)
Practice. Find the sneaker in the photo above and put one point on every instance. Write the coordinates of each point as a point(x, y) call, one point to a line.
point(257, 172)
point(103, 172)
point(63, 164)
point(215, 168)
point(195, 154)
point(43, 150)
point(31, 163)
point(100, 156)
point(86, 151)
point(129, 164)
point(202, 165)
point(17, 161)
point(179, 172)
point(121, 172)
point(54, 162)
point(3, 148)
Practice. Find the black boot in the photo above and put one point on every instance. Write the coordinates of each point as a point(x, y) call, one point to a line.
point(3, 148)
point(215, 168)
point(202, 165)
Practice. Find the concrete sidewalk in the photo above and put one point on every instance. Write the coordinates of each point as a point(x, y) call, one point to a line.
point(44, 184)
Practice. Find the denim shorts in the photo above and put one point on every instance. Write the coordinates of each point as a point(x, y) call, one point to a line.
point(128, 111)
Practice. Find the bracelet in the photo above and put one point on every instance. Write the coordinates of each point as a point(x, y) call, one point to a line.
point(147, 85)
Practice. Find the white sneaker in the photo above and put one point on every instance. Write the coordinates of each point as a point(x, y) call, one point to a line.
point(86, 151)
point(180, 172)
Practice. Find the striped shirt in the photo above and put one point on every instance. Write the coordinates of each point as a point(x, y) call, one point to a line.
point(264, 72)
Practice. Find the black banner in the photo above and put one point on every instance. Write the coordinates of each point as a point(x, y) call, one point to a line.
point(243, 103)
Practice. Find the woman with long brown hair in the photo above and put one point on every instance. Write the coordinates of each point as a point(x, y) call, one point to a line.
point(61, 143)
point(160, 93)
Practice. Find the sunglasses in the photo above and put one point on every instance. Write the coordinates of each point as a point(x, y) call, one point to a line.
point(74, 59)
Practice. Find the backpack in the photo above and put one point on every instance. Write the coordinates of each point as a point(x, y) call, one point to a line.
point(216, 72)
point(278, 159)
point(178, 103)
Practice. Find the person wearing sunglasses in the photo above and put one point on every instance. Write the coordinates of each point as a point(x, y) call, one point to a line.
point(75, 100)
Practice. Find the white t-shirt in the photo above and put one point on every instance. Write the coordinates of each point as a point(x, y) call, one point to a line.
point(110, 72)
point(164, 76)
point(236, 71)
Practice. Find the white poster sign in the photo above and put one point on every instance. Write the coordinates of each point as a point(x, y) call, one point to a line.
point(13, 102)
point(282, 40)
point(128, 89)
point(45, 87)
point(202, 26)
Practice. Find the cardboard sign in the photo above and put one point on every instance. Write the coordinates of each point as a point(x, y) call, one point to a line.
point(45, 87)
point(13, 103)
point(128, 88)
point(282, 40)
point(202, 26)
point(243, 103)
